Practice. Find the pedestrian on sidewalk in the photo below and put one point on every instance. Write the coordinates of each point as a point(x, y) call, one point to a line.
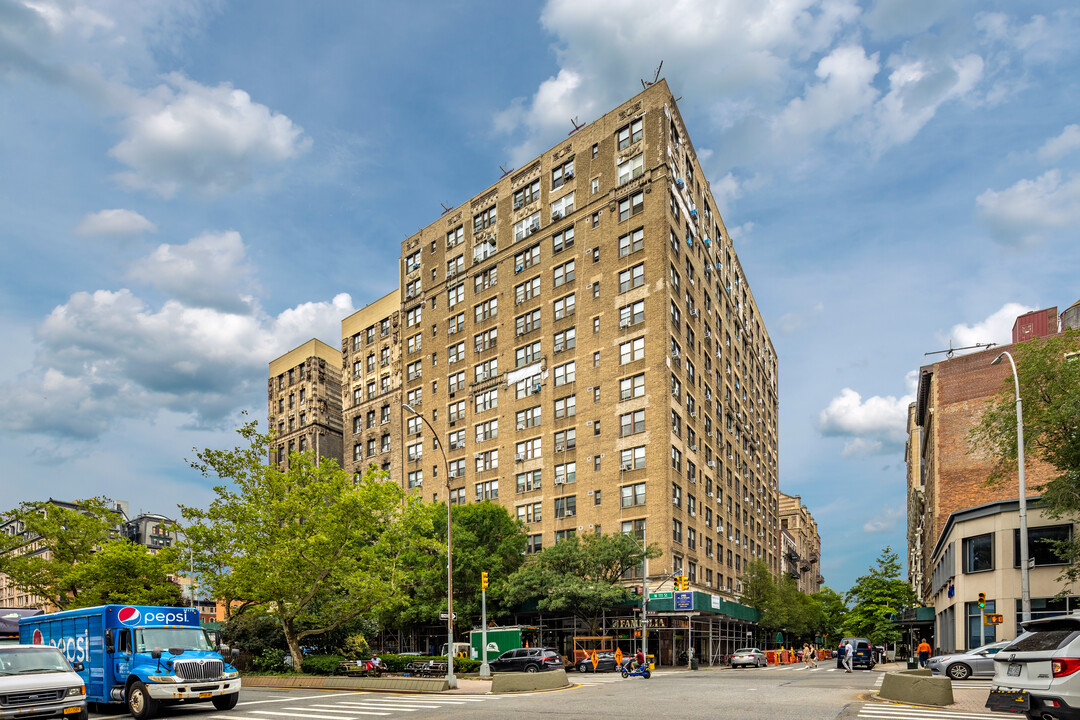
point(924, 653)
point(813, 656)
point(806, 655)
point(849, 656)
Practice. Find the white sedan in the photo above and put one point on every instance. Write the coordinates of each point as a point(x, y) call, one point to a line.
point(748, 656)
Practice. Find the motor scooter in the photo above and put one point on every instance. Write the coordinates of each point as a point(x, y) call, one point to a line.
point(641, 671)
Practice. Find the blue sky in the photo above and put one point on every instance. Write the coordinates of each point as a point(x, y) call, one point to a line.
point(189, 189)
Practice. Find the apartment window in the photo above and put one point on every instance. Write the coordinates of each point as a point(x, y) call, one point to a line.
point(385, 444)
point(485, 219)
point(564, 273)
point(527, 450)
point(632, 458)
point(564, 306)
point(414, 316)
point(486, 340)
point(486, 279)
point(632, 278)
point(633, 495)
point(453, 267)
point(455, 236)
point(631, 242)
point(487, 400)
point(526, 195)
point(528, 386)
point(632, 205)
point(416, 478)
point(527, 227)
point(457, 496)
point(414, 370)
point(566, 506)
point(676, 530)
point(525, 324)
point(455, 352)
point(629, 134)
point(414, 397)
point(565, 473)
point(566, 439)
point(631, 168)
point(486, 431)
point(631, 351)
point(691, 540)
point(527, 290)
point(565, 407)
point(527, 354)
point(527, 418)
point(486, 310)
point(533, 544)
point(530, 513)
point(413, 344)
point(457, 382)
point(595, 185)
point(412, 262)
point(384, 327)
point(457, 411)
point(415, 452)
point(565, 373)
point(595, 149)
point(596, 359)
point(357, 397)
point(676, 461)
point(596, 394)
point(526, 258)
point(632, 314)
point(565, 340)
point(979, 553)
point(562, 207)
point(487, 460)
point(632, 387)
point(486, 370)
point(562, 240)
point(488, 490)
point(528, 481)
point(562, 174)
point(371, 447)
point(456, 294)
point(456, 324)
point(1041, 548)
point(632, 423)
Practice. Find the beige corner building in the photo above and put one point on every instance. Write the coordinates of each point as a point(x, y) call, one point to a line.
point(304, 402)
point(801, 556)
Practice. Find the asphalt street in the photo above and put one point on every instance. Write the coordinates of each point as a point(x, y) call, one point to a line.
point(773, 693)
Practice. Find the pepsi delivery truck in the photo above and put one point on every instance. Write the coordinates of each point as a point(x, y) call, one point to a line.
point(141, 656)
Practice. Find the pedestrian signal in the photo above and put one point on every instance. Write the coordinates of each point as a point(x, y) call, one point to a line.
point(483, 581)
point(982, 599)
point(994, 619)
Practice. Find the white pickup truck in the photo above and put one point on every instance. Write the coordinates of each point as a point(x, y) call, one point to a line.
point(37, 681)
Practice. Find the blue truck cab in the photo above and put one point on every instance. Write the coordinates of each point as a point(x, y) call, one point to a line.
point(141, 656)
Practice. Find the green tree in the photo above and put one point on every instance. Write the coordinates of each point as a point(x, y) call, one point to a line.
point(316, 548)
point(781, 606)
point(61, 539)
point(127, 573)
point(832, 612)
point(1049, 374)
point(581, 576)
point(761, 592)
point(486, 539)
point(876, 597)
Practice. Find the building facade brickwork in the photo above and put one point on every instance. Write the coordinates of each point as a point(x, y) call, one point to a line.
point(304, 402)
point(805, 565)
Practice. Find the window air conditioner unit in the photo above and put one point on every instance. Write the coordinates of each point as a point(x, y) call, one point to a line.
point(675, 392)
point(557, 215)
point(559, 481)
point(518, 204)
point(628, 467)
point(518, 268)
point(693, 414)
point(693, 448)
point(675, 353)
point(568, 174)
point(521, 426)
point(536, 389)
point(520, 457)
point(452, 473)
point(534, 228)
point(709, 494)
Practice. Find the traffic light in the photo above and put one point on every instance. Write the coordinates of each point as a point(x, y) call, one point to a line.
point(682, 582)
point(982, 600)
point(483, 581)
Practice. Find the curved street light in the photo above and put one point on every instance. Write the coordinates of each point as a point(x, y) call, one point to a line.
point(451, 679)
point(1025, 584)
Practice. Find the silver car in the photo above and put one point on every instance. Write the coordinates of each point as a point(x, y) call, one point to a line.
point(973, 663)
point(748, 656)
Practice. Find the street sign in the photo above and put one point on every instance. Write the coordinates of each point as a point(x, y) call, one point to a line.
point(595, 659)
point(684, 600)
point(660, 596)
point(444, 616)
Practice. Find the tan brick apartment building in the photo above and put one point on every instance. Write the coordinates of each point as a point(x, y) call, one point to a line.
point(958, 526)
point(802, 556)
point(304, 401)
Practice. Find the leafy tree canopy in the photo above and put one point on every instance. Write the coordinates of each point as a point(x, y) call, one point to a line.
point(128, 573)
point(314, 546)
point(581, 576)
point(876, 597)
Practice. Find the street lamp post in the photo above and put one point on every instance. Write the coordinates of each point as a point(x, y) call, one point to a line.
point(451, 679)
point(1025, 584)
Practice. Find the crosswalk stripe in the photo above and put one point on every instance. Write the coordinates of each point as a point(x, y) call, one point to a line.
point(371, 706)
point(344, 712)
point(312, 716)
point(372, 703)
point(903, 711)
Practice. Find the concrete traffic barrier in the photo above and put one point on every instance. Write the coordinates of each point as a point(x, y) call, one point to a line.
point(916, 686)
point(528, 682)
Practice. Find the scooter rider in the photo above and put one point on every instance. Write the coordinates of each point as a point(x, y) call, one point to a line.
point(639, 659)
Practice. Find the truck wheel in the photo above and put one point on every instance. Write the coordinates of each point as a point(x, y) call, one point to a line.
point(226, 702)
point(140, 704)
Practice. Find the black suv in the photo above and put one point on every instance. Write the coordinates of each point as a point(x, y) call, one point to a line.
point(527, 660)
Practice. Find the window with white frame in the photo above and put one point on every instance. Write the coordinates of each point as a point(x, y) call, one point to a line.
point(633, 495)
point(456, 439)
point(528, 386)
point(632, 350)
point(565, 473)
point(415, 452)
point(487, 400)
point(456, 468)
point(416, 478)
point(455, 266)
point(486, 279)
point(527, 418)
point(486, 340)
point(565, 439)
point(564, 273)
point(527, 194)
point(562, 207)
point(414, 343)
point(632, 314)
point(415, 396)
point(456, 324)
point(528, 226)
point(485, 219)
point(455, 352)
point(457, 382)
point(455, 236)
point(526, 258)
point(487, 369)
point(412, 262)
point(565, 373)
point(562, 174)
point(456, 294)
point(487, 460)
point(629, 134)
point(564, 306)
point(631, 168)
point(565, 407)
point(412, 289)
point(457, 411)
point(414, 370)
point(414, 316)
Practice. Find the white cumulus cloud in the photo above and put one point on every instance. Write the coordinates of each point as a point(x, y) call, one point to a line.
point(1029, 211)
point(997, 328)
point(1058, 147)
point(117, 222)
point(874, 425)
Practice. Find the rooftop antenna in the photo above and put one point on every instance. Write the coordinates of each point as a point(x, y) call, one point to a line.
point(574, 122)
point(445, 209)
point(655, 77)
point(949, 353)
point(505, 172)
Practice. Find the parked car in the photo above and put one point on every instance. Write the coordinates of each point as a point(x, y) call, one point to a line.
point(527, 660)
point(1036, 674)
point(38, 681)
point(960, 666)
point(605, 662)
point(864, 653)
point(748, 656)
